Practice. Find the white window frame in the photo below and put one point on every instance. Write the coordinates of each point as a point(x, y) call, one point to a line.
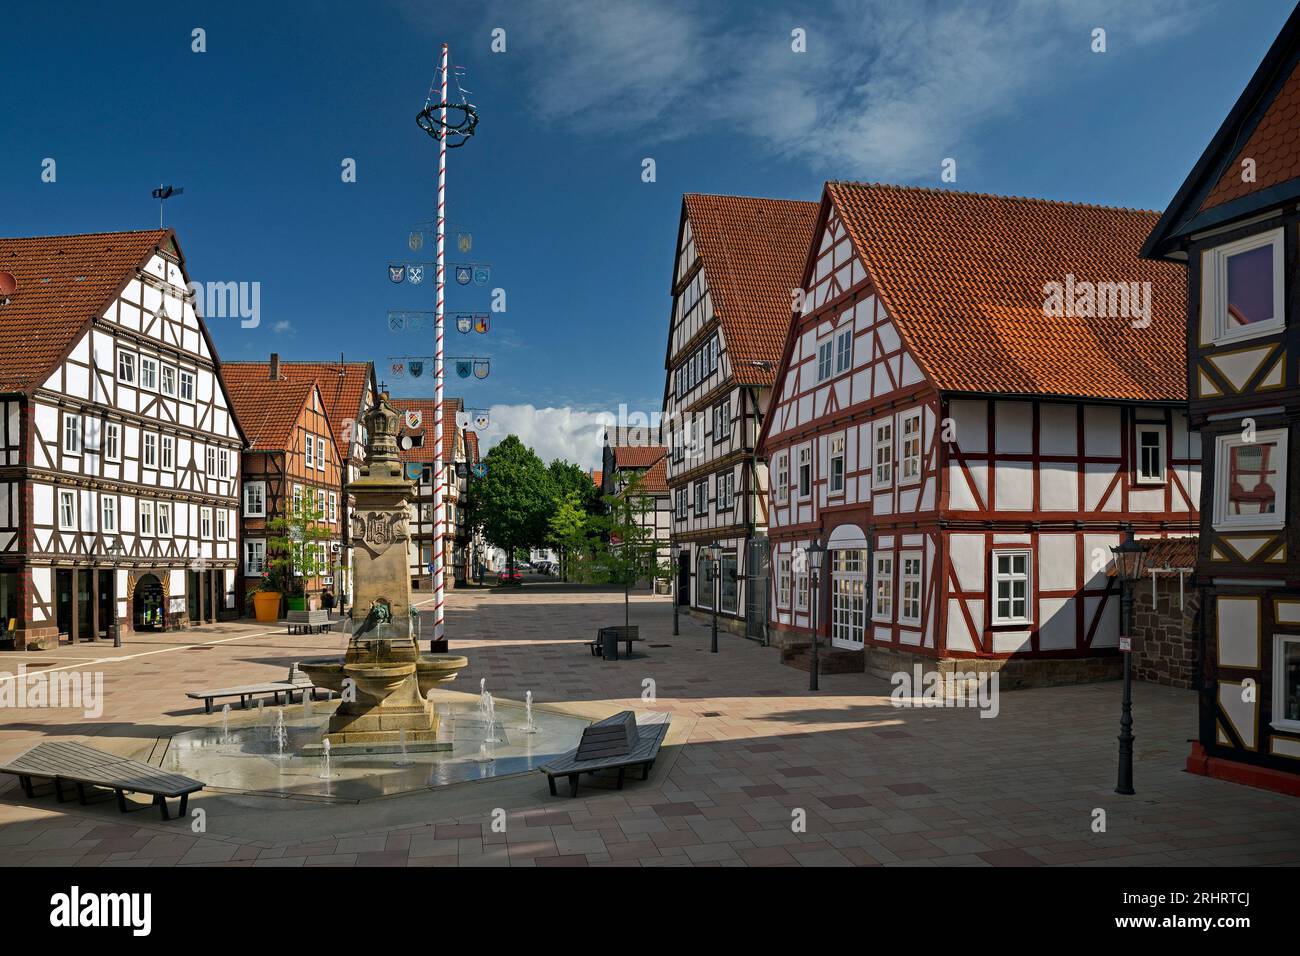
point(1223, 521)
point(149, 381)
point(886, 445)
point(1279, 719)
point(144, 521)
point(320, 452)
point(167, 452)
point(825, 359)
point(188, 384)
point(261, 499)
point(167, 380)
point(72, 434)
point(882, 598)
point(908, 581)
point(783, 581)
point(112, 442)
point(297, 499)
point(722, 422)
point(832, 487)
point(805, 464)
point(222, 524)
point(210, 461)
point(996, 577)
point(1158, 429)
point(67, 510)
point(126, 367)
point(252, 545)
point(844, 356)
point(205, 523)
point(311, 451)
point(702, 496)
point(802, 590)
point(781, 468)
point(909, 463)
point(163, 516)
point(108, 514)
point(1215, 273)
point(148, 449)
point(334, 506)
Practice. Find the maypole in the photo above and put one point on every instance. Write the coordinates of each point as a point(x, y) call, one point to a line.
point(439, 128)
point(439, 470)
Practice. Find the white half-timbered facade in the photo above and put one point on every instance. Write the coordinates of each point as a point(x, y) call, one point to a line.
point(1235, 225)
point(946, 441)
point(119, 495)
point(737, 261)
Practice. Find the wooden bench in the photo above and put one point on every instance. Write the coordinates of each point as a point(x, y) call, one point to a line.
point(626, 635)
point(308, 622)
point(297, 681)
point(64, 762)
point(615, 743)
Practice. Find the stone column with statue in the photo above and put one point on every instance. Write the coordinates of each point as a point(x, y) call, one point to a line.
point(383, 678)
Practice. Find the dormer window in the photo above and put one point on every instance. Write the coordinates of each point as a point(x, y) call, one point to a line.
point(1244, 287)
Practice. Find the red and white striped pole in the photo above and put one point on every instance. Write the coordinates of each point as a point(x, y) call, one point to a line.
point(439, 470)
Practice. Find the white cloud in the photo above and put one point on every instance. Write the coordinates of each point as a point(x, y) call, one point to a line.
point(282, 327)
point(568, 433)
point(885, 90)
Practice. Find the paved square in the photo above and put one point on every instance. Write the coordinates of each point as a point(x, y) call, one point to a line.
point(871, 784)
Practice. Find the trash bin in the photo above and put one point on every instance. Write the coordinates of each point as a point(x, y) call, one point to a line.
point(609, 644)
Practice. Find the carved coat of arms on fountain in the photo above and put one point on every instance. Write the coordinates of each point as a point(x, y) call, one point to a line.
point(379, 530)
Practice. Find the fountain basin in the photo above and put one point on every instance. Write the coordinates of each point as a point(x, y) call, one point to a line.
point(434, 669)
point(381, 678)
point(330, 676)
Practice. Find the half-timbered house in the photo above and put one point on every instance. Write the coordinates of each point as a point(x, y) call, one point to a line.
point(737, 261)
point(979, 397)
point(415, 446)
point(291, 467)
point(348, 390)
point(120, 470)
point(1235, 225)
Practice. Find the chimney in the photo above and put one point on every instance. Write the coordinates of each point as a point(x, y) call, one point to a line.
point(275, 366)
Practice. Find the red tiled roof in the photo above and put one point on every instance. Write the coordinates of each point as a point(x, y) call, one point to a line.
point(267, 408)
point(655, 481)
point(1274, 146)
point(597, 477)
point(752, 253)
point(63, 282)
point(637, 456)
point(424, 452)
point(471, 446)
point(341, 387)
point(963, 276)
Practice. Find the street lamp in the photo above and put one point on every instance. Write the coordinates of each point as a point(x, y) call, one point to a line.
point(1129, 558)
point(677, 584)
point(715, 561)
point(816, 552)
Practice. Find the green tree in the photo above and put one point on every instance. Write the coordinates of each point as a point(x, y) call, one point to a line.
point(516, 498)
point(623, 549)
point(574, 490)
point(293, 547)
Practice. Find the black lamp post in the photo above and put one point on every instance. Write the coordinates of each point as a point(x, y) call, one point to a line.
point(1129, 557)
point(715, 561)
point(816, 552)
point(677, 585)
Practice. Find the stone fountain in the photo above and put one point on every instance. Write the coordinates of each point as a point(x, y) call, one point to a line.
point(383, 678)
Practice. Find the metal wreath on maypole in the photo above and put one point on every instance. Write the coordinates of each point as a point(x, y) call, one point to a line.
point(433, 120)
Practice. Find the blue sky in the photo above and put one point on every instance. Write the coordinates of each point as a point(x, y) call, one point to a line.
point(256, 128)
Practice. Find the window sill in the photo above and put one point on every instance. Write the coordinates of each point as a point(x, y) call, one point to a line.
point(1151, 482)
point(1246, 334)
point(1224, 527)
point(1286, 726)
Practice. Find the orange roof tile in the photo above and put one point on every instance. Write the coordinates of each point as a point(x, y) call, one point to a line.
point(752, 253)
point(471, 446)
point(267, 408)
point(1274, 146)
point(963, 276)
point(597, 476)
point(342, 386)
point(424, 452)
point(637, 456)
point(655, 481)
point(63, 283)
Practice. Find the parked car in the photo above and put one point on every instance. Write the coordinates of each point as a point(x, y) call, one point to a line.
point(510, 578)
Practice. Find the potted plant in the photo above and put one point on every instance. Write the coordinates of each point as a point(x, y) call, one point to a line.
point(295, 552)
point(266, 599)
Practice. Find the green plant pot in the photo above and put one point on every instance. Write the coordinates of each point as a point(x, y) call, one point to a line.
point(297, 603)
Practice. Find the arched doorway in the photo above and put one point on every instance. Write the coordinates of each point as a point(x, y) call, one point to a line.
point(147, 604)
